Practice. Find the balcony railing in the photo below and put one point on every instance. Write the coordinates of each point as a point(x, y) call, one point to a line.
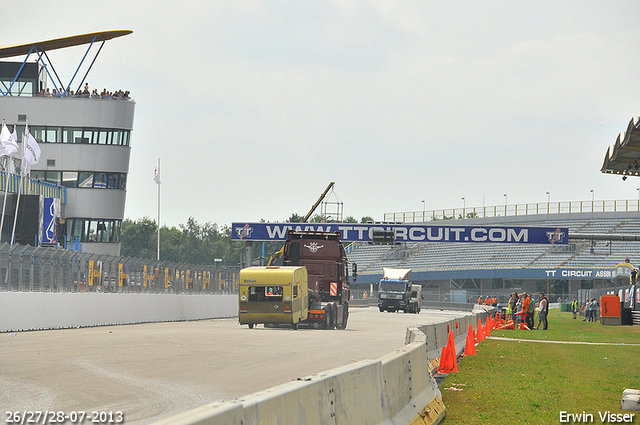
point(31, 187)
point(514, 210)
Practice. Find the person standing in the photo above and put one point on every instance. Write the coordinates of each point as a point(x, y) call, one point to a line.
point(590, 313)
point(511, 306)
point(542, 314)
point(526, 302)
point(531, 312)
point(574, 308)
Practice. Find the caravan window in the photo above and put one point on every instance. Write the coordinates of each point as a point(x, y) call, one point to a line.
point(265, 293)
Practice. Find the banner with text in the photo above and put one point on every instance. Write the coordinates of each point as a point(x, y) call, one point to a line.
point(406, 233)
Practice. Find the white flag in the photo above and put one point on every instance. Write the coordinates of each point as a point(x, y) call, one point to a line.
point(31, 152)
point(8, 145)
point(156, 175)
point(14, 134)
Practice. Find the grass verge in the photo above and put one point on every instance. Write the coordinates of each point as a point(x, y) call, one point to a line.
point(524, 382)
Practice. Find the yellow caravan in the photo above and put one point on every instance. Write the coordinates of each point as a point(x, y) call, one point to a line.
point(273, 295)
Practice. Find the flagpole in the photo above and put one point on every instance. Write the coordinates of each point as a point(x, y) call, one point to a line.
point(6, 194)
point(15, 216)
point(158, 183)
point(4, 202)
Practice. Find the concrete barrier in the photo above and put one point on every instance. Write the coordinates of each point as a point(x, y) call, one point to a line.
point(397, 389)
point(21, 311)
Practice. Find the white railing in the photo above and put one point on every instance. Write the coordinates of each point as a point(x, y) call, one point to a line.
point(514, 210)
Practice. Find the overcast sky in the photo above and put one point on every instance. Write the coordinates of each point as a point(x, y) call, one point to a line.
point(253, 107)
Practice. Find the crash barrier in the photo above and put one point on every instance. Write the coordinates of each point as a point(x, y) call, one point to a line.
point(25, 268)
point(431, 305)
point(397, 388)
point(21, 311)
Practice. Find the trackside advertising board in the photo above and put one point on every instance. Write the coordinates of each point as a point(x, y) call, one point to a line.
point(406, 233)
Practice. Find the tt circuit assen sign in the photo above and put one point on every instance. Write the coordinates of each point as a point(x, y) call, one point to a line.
point(406, 233)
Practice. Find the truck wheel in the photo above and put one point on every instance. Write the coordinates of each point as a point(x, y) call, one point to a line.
point(334, 310)
point(381, 309)
point(328, 317)
point(345, 317)
point(250, 325)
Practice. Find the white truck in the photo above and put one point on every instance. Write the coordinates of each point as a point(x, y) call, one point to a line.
point(397, 292)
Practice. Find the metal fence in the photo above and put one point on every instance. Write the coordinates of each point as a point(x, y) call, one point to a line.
point(27, 268)
point(514, 210)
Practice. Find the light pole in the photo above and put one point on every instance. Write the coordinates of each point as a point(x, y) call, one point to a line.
point(505, 203)
point(593, 198)
point(424, 210)
point(548, 197)
point(464, 207)
point(638, 189)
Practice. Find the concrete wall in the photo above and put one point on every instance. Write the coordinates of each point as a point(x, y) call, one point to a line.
point(397, 389)
point(20, 311)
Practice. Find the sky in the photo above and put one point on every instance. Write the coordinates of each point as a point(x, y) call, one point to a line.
point(254, 107)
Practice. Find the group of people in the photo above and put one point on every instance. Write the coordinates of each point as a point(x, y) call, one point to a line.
point(86, 92)
point(590, 310)
point(489, 301)
point(521, 308)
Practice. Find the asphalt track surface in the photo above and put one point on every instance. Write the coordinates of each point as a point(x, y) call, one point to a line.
point(156, 370)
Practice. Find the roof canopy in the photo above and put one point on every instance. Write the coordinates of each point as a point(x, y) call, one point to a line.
point(60, 43)
point(624, 156)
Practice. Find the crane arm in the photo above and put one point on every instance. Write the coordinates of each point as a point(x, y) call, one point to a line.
point(313, 208)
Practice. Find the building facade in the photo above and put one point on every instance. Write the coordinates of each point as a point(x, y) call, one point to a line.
point(86, 145)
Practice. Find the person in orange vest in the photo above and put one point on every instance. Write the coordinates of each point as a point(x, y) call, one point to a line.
point(480, 300)
point(494, 301)
point(487, 301)
point(526, 301)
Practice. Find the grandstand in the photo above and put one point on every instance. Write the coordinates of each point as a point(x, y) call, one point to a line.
point(450, 265)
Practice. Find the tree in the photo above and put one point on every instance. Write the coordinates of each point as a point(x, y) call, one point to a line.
point(366, 219)
point(295, 218)
point(350, 219)
point(139, 238)
point(318, 218)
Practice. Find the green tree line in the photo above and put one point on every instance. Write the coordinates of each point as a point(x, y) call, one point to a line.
point(193, 242)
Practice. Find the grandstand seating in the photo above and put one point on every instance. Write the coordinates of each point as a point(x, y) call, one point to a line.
point(579, 254)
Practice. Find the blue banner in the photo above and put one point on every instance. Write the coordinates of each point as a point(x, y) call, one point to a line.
point(406, 233)
point(50, 213)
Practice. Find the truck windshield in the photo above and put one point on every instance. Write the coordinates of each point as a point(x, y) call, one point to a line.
point(392, 286)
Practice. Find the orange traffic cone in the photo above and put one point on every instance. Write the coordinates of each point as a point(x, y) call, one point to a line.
point(507, 325)
point(487, 327)
point(523, 326)
point(479, 333)
point(452, 353)
point(448, 360)
point(470, 347)
point(444, 366)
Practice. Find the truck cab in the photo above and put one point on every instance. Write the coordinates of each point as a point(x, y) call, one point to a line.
point(396, 292)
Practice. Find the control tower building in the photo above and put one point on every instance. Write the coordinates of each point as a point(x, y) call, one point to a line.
point(85, 137)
